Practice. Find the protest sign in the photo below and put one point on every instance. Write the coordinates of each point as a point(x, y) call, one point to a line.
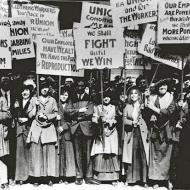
point(133, 12)
point(99, 48)
point(44, 19)
point(149, 48)
point(5, 45)
point(55, 55)
point(4, 9)
point(174, 22)
point(131, 74)
point(133, 60)
point(22, 46)
point(95, 15)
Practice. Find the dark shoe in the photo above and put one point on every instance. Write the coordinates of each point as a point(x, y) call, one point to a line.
point(78, 181)
point(92, 181)
point(5, 186)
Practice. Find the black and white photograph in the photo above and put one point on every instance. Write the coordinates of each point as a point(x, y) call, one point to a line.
point(95, 94)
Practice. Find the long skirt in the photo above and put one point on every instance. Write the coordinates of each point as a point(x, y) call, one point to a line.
point(160, 157)
point(66, 158)
point(106, 167)
point(22, 158)
point(43, 160)
point(137, 171)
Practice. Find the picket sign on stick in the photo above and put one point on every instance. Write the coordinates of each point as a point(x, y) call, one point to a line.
point(182, 79)
point(59, 94)
point(124, 93)
point(155, 74)
point(59, 103)
point(38, 87)
point(102, 88)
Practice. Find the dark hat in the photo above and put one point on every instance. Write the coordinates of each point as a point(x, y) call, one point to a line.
point(29, 87)
point(134, 87)
point(44, 83)
point(108, 93)
point(162, 82)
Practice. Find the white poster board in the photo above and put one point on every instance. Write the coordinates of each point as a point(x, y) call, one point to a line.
point(5, 45)
point(44, 19)
point(55, 55)
point(130, 12)
point(22, 46)
point(134, 60)
point(99, 48)
point(95, 15)
point(149, 48)
point(174, 22)
point(4, 9)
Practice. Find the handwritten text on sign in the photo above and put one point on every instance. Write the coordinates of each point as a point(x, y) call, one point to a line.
point(44, 19)
point(174, 21)
point(96, 15)
point(5, 45)
point(132, 12)
point(55, 55)
point(99, 48)
point(21, 38)
point(149, 48)
point(134, 60)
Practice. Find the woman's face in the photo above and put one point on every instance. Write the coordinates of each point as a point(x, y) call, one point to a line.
point(163, 89)
point(134, 95)
point(25, 93)
point(64, 97)
point(106, 100)
point(44, 91)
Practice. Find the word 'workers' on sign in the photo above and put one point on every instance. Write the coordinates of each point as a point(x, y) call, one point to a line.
point(132, 12)
point(43, 19)
point(55, 55)
point(95, 15)
point(5, 45)
point(99, 48)
point(133, 60)
point(174, 22)
point(150, 48)
point(21, 38)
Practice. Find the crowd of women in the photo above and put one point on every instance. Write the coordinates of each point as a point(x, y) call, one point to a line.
point(83, 133)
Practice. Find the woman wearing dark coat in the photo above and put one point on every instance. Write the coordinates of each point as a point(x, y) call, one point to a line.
point(66, 151)
point(183, 164)
point(23, 120)
point(161, 107)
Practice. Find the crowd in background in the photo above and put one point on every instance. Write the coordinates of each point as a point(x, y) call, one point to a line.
point(131, 131)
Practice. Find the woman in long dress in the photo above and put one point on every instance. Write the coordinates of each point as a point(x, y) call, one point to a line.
point(42, 138)
point(105, 147)
point(135, 148)
point(66, 152)
point(4, 142)
point(23, 120)
point(161, 107)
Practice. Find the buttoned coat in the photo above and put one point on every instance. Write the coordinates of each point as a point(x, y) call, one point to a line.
point(44, 130)
point(81, 119)
point(128, 135)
